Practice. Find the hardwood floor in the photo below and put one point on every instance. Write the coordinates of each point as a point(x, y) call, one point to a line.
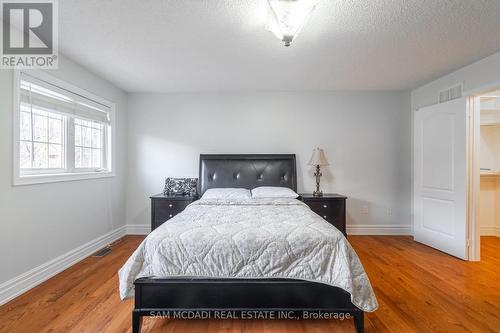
point(419, 290)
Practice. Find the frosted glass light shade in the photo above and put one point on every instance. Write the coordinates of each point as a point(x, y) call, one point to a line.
point(318, 158)
point(287, 17)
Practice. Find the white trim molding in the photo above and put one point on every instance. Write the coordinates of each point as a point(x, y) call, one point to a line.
point(24, 282)
point(63, 177)
point(138, 229)
point(490, 230)
point(380, 229)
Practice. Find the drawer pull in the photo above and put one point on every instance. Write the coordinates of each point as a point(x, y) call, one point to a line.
point(170, 205)
point(324, 216)
point(325, 206)
point(170, 215)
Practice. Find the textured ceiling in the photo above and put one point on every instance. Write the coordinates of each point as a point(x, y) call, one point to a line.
point(220, 45)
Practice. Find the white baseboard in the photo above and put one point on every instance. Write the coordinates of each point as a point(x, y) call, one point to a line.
point(380, 229)
point(490, 230)
point(22, 283)
point(142, 229)
point(137, 229)
point(405, 230)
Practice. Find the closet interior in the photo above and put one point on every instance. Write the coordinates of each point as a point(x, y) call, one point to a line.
point(489, 210)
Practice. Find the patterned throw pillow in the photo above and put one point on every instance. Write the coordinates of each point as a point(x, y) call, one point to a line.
point(180, 186)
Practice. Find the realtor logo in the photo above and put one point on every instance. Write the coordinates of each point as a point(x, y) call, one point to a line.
point(29, 34)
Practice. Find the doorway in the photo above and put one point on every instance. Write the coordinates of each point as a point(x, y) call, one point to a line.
point(488, 199)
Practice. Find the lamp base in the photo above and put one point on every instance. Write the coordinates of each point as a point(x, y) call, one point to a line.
point(317, 174)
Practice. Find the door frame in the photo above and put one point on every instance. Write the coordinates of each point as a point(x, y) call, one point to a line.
point(473, 177)
point(473, 163)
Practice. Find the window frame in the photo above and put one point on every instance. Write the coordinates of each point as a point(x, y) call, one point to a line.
point(35, 171)
point(104, 147)
point(47, 175)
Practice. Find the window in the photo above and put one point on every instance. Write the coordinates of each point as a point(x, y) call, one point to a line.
point(41, 141)
point(88, 144)
point(61, 132)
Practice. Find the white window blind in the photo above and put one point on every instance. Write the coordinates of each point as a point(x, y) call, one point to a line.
point(43, 95)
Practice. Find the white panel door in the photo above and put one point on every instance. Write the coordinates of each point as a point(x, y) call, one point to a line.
point(440, 177)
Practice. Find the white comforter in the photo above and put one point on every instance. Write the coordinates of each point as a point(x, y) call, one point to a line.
point(251, 239)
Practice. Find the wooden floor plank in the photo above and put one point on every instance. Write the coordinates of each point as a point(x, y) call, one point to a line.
point(419, 289)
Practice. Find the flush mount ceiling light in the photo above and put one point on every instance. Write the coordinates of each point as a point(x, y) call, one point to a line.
point(287, 17)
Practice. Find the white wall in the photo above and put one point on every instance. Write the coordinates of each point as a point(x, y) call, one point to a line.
point(489, 210)
point(365, 136)
point(480, 76)
point(490, 148)
point(42, 222)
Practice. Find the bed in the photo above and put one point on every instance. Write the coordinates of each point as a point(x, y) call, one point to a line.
point(266, 258)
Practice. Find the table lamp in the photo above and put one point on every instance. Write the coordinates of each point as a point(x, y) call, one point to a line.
point(318, 159)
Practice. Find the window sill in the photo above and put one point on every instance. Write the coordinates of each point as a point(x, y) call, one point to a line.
point(60, 177)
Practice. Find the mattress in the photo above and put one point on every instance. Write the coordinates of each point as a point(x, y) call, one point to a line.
point(250, 239)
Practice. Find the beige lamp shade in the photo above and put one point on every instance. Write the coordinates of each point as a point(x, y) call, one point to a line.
point(318, 158)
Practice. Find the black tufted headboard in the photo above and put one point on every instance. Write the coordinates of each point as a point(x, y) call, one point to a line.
point(247, 171)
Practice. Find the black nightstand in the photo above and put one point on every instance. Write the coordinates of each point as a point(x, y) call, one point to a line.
point(164, 207)
point(331, 207)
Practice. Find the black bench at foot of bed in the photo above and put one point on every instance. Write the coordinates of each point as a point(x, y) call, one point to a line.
point(241, 299)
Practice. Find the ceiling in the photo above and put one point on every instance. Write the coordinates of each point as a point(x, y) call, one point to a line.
point(221, 45)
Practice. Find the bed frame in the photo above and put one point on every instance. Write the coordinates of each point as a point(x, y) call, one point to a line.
point(242, 298)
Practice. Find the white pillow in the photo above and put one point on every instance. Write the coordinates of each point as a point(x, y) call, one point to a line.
point(273, 192)
point(227, 193)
